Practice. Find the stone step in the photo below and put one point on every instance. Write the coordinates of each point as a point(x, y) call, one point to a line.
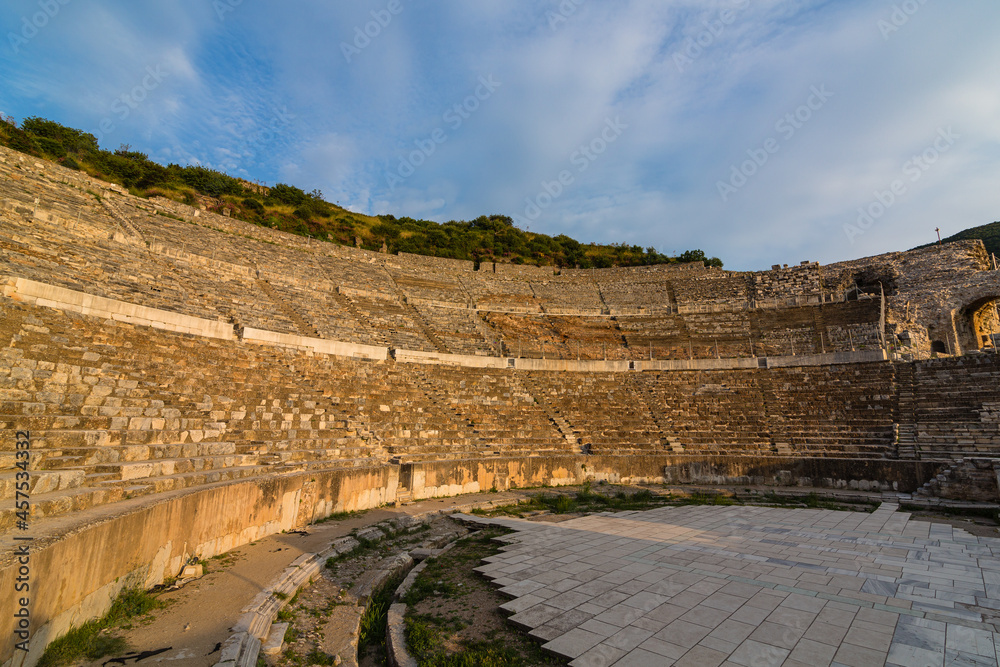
point(166, 467)
point(40, 482)
point(67, 420)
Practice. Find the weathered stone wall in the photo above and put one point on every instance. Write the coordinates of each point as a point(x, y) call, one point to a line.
point(781, 283)
point(927, 291)
point(717, 288)
point(430, 479)
point(76, 574)
point(425, 263)
point(519, 271)
point(968, 479)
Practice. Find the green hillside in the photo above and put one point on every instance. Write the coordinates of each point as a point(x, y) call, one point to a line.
point(989, 234)
point(492, 238)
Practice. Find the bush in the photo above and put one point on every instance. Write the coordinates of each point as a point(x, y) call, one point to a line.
point(208, 181)
point(51, 147)
point(19, 140)
point(253, 205)
point(70, 139)
point(287, 194)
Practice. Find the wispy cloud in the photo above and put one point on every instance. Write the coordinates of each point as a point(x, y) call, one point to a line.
point(266, 92)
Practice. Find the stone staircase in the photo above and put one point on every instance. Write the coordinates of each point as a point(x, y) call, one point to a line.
point(116, 213)
point(425, 327)
point(305, 328)
point(526, 384)
point(906, 446)
point(348, 306)
point(954, 408)
point(493, 340)
point(648, 404)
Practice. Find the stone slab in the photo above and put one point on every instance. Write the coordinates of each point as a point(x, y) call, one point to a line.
point(752, 585)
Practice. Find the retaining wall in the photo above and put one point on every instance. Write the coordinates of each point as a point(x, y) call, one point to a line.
point(76, 574)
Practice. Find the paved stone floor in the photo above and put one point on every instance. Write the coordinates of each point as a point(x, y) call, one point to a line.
point(753, 586)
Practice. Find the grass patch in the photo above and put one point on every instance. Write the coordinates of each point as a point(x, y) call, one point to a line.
point(424, 633)
point(317, 657)
point(448, 633)
point(364, 548)
point(430, 583)
point(372, 628)
point(699, 498)
point(341, 516)
point(587, 499)
point(171, 216)
point(980, 512)
point(92, 639)
point(583, 500)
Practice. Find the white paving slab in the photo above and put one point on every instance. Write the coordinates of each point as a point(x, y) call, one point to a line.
point(708, 585)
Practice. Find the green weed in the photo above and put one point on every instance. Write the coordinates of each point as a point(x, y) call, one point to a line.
point(91, 640)
point(372, 628)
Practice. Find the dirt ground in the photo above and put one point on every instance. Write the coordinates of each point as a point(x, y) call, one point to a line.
point(978, 526)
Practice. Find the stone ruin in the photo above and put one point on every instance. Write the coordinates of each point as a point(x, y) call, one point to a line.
point(189, 383)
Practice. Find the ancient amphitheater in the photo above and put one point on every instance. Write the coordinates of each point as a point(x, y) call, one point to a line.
point(185, 383)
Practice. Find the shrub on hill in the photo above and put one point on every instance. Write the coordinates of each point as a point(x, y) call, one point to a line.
point(492, 238)
point(989, 234)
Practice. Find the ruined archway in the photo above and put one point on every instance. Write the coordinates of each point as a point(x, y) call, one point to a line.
point(977, 325)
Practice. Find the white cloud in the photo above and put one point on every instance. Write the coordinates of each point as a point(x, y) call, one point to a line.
point(344, 124)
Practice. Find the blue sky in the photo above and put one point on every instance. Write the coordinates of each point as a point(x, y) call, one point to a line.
point(760, 131)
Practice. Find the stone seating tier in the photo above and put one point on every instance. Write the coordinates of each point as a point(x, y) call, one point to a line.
point(97, 215)
point(113, 405)
point(120, 410)
point(955, 406)
point(213, 267)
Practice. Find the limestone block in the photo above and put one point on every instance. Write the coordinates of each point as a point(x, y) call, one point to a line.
point(371, 534)
point(399, 656)
point(345, 544)
point(275, 639)
point(340, 634)
point(193, 571)
point(137, 470)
